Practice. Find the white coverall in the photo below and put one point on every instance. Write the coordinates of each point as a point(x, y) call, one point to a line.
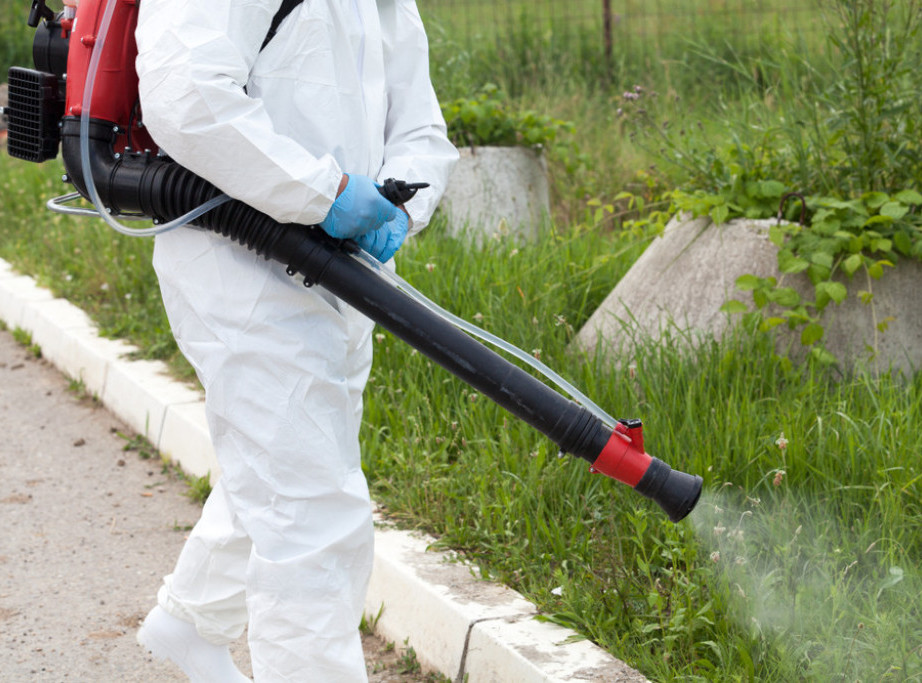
point(284, 543)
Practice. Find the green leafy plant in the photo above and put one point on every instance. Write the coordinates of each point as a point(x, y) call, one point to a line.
point(408, 663)
point(199, 487)
point(139, 444)
point(489, 119)
point(844, 238)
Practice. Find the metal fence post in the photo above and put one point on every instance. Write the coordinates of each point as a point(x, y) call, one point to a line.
point(606, 35)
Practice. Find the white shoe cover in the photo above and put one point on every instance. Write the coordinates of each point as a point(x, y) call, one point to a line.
point(175, 640)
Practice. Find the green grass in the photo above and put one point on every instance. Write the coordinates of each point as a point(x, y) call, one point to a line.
point(15, 35)
point(24, 338)
point(199, 487)
point(680, 47)
point(777, 604)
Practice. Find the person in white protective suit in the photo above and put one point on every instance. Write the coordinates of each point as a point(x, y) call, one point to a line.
point(339, 99)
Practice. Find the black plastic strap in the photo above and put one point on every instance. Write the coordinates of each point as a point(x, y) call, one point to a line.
point(284, 11)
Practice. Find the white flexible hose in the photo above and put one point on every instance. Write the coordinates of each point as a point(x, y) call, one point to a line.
point(85, 148)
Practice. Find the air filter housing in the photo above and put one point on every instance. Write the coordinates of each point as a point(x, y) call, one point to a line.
point(35, 108)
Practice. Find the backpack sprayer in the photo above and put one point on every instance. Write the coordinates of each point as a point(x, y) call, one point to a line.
point(82, 96)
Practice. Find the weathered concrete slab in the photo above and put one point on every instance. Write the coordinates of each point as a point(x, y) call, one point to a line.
point(529, 650)
point(474, 629)
point(688, 273)
point(497, 190)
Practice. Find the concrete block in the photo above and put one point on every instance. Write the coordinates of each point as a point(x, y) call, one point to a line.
point(185, 440)
point(497, 191)
point(690, 271)
point(430, 601)
point(55, 316)
point(51, 324)
point(88, 357)
point(884, 333)
point(139, 393)
point(6, 269)
point(682, 278)
point(529, 651)
point(16, 293)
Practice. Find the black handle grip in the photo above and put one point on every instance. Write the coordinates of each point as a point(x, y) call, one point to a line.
point(399, 191)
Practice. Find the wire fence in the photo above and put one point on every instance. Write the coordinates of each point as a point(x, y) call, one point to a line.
point(615, 30)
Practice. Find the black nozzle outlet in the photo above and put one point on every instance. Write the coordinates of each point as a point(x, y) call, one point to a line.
point(674, 491)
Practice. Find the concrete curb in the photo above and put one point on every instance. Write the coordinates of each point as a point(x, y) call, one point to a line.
point(464, 627)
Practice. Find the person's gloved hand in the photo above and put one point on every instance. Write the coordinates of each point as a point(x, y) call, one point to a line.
point(358, 209)
point(384, 242)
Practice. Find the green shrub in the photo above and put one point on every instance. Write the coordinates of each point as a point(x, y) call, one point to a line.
point(490, 119)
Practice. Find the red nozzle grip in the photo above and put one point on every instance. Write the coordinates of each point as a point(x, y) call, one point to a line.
point(621, 459)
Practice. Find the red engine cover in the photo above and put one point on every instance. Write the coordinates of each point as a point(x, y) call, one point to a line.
point(115, 89)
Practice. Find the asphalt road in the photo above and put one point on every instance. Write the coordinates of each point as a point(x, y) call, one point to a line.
point(87, 530)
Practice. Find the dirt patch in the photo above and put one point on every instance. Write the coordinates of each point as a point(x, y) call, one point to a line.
point(6, 614)
point(387, 663)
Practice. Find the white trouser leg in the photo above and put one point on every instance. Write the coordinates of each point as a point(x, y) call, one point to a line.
point(283, 369)
point(208, 584)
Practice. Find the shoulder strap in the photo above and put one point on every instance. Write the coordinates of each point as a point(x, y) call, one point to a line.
point(284, 11)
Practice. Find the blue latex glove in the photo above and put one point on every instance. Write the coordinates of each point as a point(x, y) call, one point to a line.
point(384, 242)
point(358, 209)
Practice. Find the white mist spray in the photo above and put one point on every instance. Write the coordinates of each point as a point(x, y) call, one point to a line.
point(829, 597)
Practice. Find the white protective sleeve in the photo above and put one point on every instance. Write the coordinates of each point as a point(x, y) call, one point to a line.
point(276, 129)
point(417, 146)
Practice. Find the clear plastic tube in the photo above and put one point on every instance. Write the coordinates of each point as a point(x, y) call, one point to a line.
point(483, 335)
point(58, 205)
point(85, 148)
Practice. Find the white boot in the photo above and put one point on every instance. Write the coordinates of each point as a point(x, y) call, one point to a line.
point(175, 640)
